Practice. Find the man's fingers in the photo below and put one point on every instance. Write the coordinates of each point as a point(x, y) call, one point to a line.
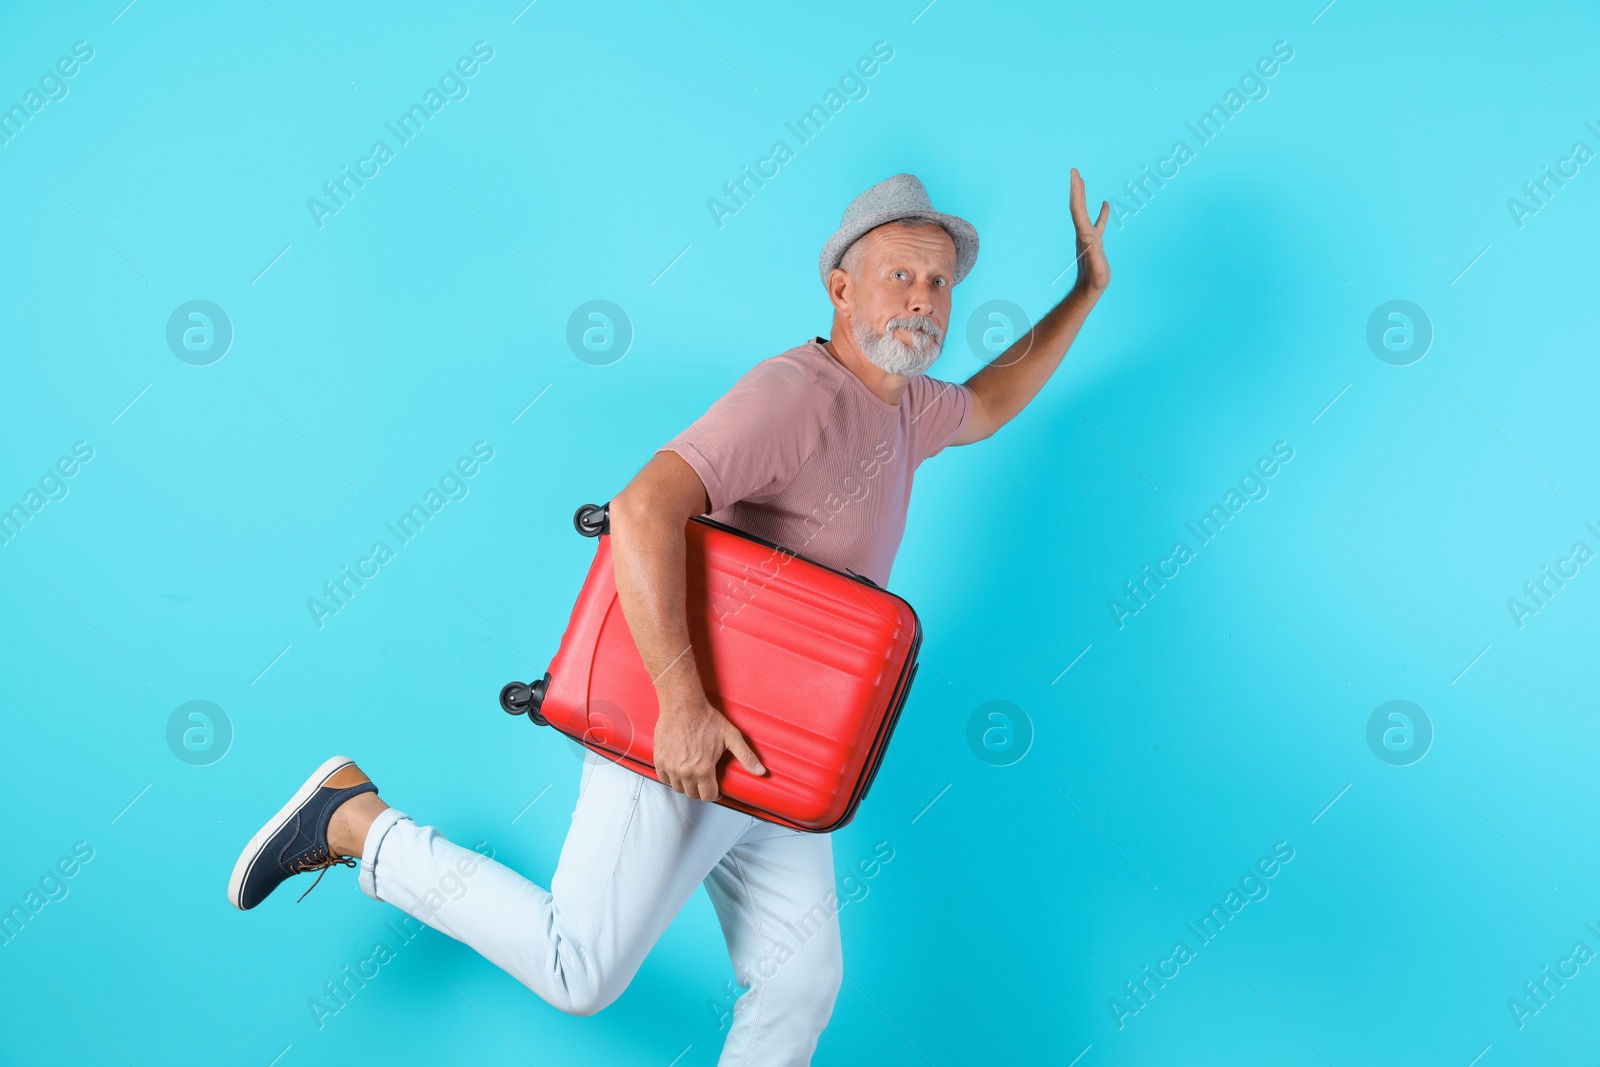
point(744, 753)
point(1105, 209)
point(700, 788)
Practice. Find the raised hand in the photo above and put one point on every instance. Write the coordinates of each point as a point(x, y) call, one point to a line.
point(1094, 273)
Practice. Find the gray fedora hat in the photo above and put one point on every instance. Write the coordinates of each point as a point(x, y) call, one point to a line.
point(899, 197)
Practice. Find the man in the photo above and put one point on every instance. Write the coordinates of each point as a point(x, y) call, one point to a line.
point(814, 449)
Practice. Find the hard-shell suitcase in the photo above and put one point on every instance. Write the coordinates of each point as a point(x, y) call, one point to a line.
point(811, 663)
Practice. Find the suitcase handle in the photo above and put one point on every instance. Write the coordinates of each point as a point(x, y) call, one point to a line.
point(592, 520)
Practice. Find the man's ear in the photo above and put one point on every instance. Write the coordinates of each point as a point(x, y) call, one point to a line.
point(841, 289)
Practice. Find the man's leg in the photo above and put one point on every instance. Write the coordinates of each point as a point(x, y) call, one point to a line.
point(634, 853)
point(772, 892)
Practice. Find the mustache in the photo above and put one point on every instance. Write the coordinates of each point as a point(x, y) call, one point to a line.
point(919, 323)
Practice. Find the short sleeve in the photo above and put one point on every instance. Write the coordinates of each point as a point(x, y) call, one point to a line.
point(943, 409)
point(754, 439)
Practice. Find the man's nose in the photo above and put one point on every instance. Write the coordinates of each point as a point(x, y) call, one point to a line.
point(919, 301)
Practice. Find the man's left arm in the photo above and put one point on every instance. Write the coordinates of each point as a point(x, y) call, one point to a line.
point(1005, 385)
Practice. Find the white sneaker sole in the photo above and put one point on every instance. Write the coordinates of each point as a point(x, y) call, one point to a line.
point(252, 851)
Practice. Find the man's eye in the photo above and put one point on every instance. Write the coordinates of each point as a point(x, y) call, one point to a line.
point(940, 281)
point(899, 273)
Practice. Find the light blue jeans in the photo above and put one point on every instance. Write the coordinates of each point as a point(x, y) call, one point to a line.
point(633, 854)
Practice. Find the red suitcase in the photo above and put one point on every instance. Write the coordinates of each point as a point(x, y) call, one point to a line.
point(812, 664)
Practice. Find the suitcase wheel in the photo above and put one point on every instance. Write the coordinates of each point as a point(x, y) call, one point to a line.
point(517, 698)
point(592, 520)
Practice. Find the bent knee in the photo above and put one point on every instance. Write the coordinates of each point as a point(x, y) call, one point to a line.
point(585, 1004)
point(804, 990)
point(588, 997)
point(577, 983)
point(825, 970)
point(826, 980)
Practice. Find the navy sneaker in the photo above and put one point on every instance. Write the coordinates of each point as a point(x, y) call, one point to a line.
point(295, 840)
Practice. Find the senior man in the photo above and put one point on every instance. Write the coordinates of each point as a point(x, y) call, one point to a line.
point(815, 449)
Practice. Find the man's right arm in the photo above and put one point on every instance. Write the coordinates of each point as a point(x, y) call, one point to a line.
point(647, 522)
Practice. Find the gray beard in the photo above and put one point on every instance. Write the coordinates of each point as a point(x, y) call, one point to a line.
point(891, 355)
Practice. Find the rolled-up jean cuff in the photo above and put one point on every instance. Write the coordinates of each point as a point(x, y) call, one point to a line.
point(367, 878)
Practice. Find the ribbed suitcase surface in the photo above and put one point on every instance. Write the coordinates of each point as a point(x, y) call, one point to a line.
point(811, 664)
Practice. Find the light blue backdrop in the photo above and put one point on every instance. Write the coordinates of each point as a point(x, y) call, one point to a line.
point(1163, 752)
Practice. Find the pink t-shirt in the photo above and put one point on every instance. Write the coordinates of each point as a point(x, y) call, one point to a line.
point(799, 451)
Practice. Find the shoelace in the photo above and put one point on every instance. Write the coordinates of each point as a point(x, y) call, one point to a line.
point(319, 859)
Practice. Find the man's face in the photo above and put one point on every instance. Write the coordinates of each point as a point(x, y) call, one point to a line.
point(902, 296)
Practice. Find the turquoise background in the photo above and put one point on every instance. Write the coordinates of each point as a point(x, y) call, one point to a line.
point(1228, 715)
